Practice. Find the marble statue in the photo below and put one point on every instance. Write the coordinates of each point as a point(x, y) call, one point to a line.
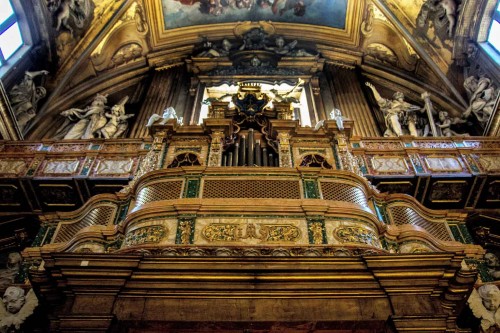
point(17, 308)
point(396, 112)
point(117, 123)
point(84, 123)
point(94, 121)
point(483, 96)
point(339, 119)
point(24, 98)
point(70, 14)
point(445, 123)
point(12, 268)
point(450, 9)
point(484, 304)
point(168, 113)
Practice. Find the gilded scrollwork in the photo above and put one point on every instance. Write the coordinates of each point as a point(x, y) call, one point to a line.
point(348, 234)
point(150, 234)
point(220, 232)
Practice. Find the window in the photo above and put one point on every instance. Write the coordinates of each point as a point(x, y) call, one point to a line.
point(10, 34)
point(494, 34)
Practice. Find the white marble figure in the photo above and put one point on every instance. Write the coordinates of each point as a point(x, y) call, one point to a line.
point(84, 123)
point(445, 123)
point(482, 98)
point(168, 113)
point(68, 12)
point(12, 267)
point(484, 304)
point(17, 308)
point(117, 120)
point(24, 98)
point(450, 9)
point(395, 111)
point(337, 116)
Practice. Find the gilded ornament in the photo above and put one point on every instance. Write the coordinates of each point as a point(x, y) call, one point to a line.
point(356, 235)
point(150, 234)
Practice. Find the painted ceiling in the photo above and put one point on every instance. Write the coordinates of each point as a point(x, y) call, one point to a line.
point(183, 13)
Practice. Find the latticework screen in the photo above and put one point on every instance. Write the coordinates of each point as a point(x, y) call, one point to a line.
point(405, 215)
point(102, 215)
point(285, 189)
point(168, 190)
point(343, 192)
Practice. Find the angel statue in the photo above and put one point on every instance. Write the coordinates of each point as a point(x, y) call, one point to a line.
point(336, 115)
point(17, 308)
point(117, 123)
point(168, 113)
point(484, 304)
point(84, 123)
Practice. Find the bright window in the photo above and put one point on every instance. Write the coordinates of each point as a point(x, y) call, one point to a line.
point(10, 35)
point(494, 34)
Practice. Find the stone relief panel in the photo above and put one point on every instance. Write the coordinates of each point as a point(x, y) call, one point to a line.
point(444, 164)
point(115, 167)
point(59, 167)
point(389, 164)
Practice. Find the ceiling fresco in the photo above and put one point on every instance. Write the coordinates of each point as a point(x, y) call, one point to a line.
point(183, 13)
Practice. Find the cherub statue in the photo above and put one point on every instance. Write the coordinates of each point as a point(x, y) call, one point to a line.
point(484, 304)
point(168, 113)
point(280, 46)
point(17, 308)
point(117, 123)
point(482, 98)
point(24, 98)
point(395, 111)
point(445, 125)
